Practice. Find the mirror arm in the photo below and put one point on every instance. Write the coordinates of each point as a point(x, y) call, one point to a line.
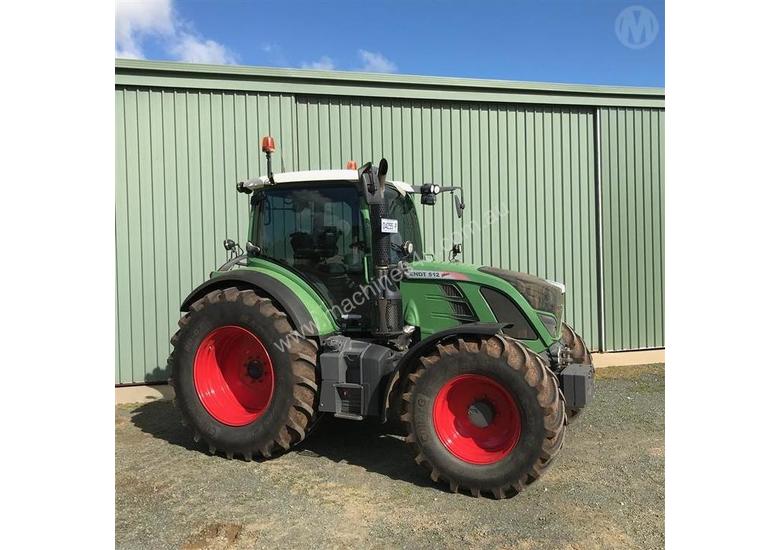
point(427, 200)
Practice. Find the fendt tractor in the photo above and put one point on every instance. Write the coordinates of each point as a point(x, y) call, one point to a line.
point(332, 309)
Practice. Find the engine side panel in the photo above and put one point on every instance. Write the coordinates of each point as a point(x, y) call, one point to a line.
point(430, 304)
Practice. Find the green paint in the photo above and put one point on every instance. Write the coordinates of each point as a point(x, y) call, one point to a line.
point(426, 307)
point(320, 313)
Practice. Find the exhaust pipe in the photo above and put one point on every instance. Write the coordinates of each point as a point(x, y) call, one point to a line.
point(386, 311)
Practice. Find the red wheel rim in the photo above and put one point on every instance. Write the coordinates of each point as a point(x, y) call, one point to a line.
point(234, 376)
point(476, 419)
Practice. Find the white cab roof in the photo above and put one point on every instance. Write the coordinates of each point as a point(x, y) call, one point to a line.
point(320, 175)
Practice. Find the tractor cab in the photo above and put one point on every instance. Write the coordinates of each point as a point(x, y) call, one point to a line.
point(317, 224)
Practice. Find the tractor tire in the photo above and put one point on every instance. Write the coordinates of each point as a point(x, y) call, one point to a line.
point(579, 354)
point(484, 415)
point(236, 389)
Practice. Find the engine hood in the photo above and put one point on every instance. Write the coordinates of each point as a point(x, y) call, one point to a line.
point(543, 295)
point(545, 298)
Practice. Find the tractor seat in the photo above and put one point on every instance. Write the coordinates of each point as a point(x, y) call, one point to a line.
point(303, 246)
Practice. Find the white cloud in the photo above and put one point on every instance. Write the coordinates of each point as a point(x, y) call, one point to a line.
point(191, 49)
point(375, 62)
point(135, 21)
point(325, 63)
point(139, 20)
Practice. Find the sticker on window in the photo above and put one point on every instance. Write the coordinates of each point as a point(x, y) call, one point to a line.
point(389, 226)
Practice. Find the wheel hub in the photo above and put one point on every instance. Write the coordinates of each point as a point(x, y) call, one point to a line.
point(254, 369)
point(234, 376)
point(476, 419)
point(481, 414)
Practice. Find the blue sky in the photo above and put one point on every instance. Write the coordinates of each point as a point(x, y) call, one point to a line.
point(585, 41)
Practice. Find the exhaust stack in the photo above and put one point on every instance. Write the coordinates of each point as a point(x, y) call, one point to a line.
point(386, 311)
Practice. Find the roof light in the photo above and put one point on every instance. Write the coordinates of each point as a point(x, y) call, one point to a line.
point(268, 144)
point(351, 165)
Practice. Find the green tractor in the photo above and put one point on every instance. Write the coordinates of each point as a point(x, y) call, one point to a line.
point(332, 310)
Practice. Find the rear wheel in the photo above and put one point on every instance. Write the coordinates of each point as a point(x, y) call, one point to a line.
point(579, 354)
point(483, 415)
point(244, 379)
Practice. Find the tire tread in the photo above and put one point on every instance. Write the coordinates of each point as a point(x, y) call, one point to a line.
point(536, 373)
point(303, 352)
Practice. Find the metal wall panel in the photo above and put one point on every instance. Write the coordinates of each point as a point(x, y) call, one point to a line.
point(632, 181)
point(534, 162)
point(181, 148)
point(233, 78)
point(178, 157)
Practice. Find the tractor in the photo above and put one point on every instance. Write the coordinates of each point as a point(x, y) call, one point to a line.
point(331, 309)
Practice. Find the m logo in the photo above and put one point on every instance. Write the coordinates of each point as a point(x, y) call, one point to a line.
point(636, 27)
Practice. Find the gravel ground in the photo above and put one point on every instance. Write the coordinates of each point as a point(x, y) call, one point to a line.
point(352, 484)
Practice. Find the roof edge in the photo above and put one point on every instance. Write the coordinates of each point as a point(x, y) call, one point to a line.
point(141, 67)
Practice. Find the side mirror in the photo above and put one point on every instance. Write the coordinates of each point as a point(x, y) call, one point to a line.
point(460, 206)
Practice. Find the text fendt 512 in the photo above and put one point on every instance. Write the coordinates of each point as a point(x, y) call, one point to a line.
point(331, 310)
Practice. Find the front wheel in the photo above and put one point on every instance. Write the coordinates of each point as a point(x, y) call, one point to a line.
point(484, 415)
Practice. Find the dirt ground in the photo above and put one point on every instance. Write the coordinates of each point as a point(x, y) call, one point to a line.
point(350, 484)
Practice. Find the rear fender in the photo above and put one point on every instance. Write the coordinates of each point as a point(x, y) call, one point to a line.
point(265, 285)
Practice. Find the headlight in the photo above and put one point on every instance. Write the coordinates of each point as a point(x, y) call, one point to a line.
point(550, 323)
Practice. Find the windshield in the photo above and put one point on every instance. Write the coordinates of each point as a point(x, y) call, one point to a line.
point(316, 223)
point(401, 208)
point(315, 228)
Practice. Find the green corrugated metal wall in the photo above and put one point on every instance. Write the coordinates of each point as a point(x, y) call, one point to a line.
point(632, 176)
point(538, 160)
point(179, 152)
point(178, 156)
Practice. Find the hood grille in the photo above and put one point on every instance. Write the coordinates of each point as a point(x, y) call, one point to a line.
point(461, 309)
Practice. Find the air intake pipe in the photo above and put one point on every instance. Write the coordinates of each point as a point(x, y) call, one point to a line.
point(387, 307)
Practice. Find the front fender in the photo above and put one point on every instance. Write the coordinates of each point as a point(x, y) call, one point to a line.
point(419, 349)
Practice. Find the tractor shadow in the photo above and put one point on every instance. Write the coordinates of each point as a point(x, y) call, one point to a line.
point(160, 419)
point(377, 448)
